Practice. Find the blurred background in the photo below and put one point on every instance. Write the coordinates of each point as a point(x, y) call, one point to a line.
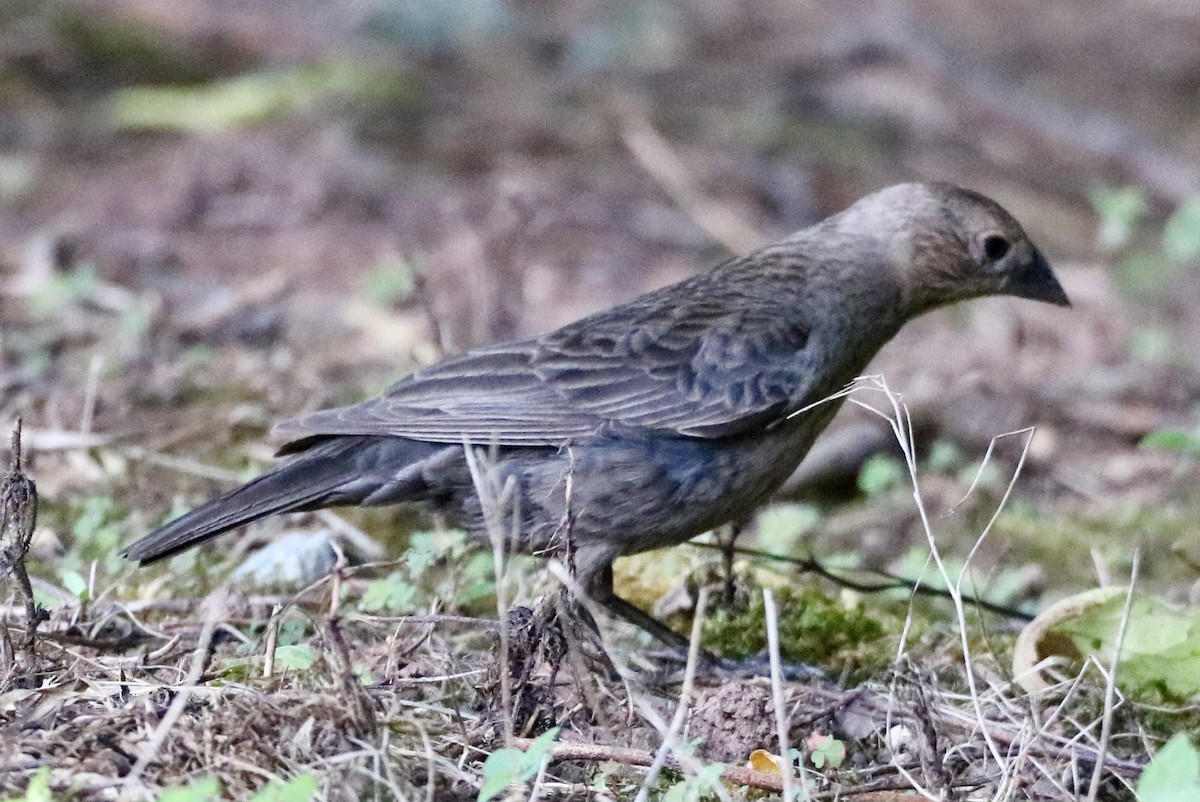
point(218, 214)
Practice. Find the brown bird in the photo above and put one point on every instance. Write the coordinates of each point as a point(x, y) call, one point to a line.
point(649, 423)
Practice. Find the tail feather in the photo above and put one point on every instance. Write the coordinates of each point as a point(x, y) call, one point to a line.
point(339, 470)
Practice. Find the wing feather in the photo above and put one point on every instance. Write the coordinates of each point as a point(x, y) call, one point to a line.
point(707, 367)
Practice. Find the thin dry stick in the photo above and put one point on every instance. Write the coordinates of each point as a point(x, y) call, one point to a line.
point(430, 761)
point(490, 504)
point(272, 640)
point(540, 780)
point(1110, 688)
point(671, 736)
point(1028, 431)
point(781, 719)
point(902, 428)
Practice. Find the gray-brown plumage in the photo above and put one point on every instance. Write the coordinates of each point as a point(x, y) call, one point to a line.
point(665, 416)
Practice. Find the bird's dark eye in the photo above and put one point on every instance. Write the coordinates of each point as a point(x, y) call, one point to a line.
point(994, 247)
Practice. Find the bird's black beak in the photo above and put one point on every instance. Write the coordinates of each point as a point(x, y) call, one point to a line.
point(1036, 281)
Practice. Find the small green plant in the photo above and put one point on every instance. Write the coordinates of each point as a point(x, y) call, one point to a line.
point(1148, 265)
point(203, 789)
point(1181, 233)
point(297, 657)
point(1121, 210)
point(98, 534)
point(391, 594)
point(74, 583)
point(38, 789)
point(298, 789)
point(1178, 441)
point(62, 290)
point(696, 787)
point(507, 766)
point(880, 473)
point(389, 283)
point(825, 751)
point(1173, 775)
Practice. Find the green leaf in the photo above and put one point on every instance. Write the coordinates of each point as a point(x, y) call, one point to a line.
point(880, 473)
point(694, 788)
point(391, 594)
point(418, 560)
point(292, 630)
point(241, 101)
point(74, 582)
point(449, 542)
point(825, 750)
point(38, 789)
point(1161, 648)
point(1180, 441)
point(504, 767)
point(1173, 775)
point(944, 457)
point(363, 672)
point(1121, 209)
point(298, 657)
point(61, 290)
point(201, 790)
point(1155, 344)
point(47, 600)
point(389, 283)
point(1181, 234)
point(1147, 272)
point(298, 789)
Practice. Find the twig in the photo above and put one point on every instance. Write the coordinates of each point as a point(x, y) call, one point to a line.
point(18, 518)
point(491, 504)
point(1110, 687)
point(272, 641)
point(893, 582)
point(902, 428)
point(781, 718)
point(671, 736)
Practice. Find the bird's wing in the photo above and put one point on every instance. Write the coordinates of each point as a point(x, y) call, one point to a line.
point(702, 368)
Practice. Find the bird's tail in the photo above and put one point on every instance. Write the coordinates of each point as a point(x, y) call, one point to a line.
point(337, 470)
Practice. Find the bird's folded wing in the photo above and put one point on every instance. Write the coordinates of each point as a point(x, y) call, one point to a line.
point(704, 370)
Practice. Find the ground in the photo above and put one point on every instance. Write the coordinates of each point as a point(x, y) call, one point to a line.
point(212, 218)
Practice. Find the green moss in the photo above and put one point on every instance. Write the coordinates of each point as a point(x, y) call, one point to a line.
point(814, 628)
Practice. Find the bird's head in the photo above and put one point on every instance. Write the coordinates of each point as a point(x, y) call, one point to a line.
point(949, 244)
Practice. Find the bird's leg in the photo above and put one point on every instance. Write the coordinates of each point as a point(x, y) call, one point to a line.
point(600, 590)
point(727, 540)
